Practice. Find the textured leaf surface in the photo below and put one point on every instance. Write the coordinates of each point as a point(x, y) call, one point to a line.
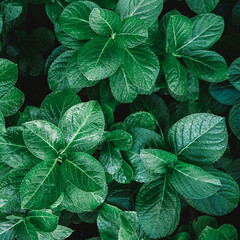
point(199, 138)
point(42, 186)
point(26, 231)
point(142, 67)
point(124, 174)
point(43, 139)
point(99, 58)
point(210, 233)
point(82, 126)
point(121, 140)
point(234, 120)
point(7, 230)
point(146, 10)
point(234, 74)
point(158, 208)
point(84, 172)
point(193, 182)
point(202, 6)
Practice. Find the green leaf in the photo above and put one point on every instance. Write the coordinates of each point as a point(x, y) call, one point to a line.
point(124, 174)
point(108, 222)
point(82, 126)
point(13, 150)
point(146, 10)
point(8, 230)
point(178, 31)
point(120, 139)
point(234, 74)
point(104, 22)
point(132, 33)
point(74, 20)
point(8, 76)
point(121, 86)
point(141, 66)
point(158, 208)
point(142, 139)
point(206, 30)
point(11, 102)
point(26, 231)
point(54, 9)
point(193, 182)
point(229, 231)
point(43, 220)
point(84, 172)
point(12, 10)
point(111, 159)
point(202, 222)
point(234, 120)
point(181, 236)
point(78, 201)
point(209, 234)
point(140, 119)
point(4, 170)
point(206, 65)
point(222, 202)
point(30, 113)
point(202, 6)
point(157, 160)
point(99, 58)
point(2, 124)
point(175, 75)
point(199, 138)
point(108, 116)
point(56, 104)
point(43, 139)
point(42, 186)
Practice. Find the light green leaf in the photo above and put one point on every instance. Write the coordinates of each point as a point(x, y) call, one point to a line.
point(108, 222)
point(158, 208)
point(124, 174)
point(43, 139)
point(104, 22)
point(178, 31)
point(199, 138)
point(202, 6)
point(84, 172)
point(42, 186)
point(8, 230)
point(132, 33)
point(26, 231)
point(121, 87)
point(54, 9)
point(175, 75)
point(157, 160)
point(43, 220)
point(211, 234)
point(2, 124)
point(141, 66)
point(229, 231)
point(30, 113)
point(82, 126)
point(234, 74)
point(56, 104)
point(222, 202)
point(202, 222)
point(140, 119)
point(120, 139)
point(74, 20)
point(8, 75)
point(206, 30)
point(99, 58)
point(206, 65)
point(147, 10)
point(193, 182)
point(234, 120)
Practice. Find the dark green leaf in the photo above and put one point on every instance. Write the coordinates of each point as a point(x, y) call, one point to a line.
point(234, 120)
point(202, 6)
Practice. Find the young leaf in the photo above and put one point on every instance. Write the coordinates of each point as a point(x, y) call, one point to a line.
point(199, 138)
point(234, 74)
point(193, 182)
point(99, 58)
point(206, 65)
point(43, 220)
point(202, 222)
point(157, 160)
point(146, 10)
point(158, 208)
point(234, 120)
point(229, 231)
point(43, 139)
point(42, 186)
point(82, 126)
point(84, 172)
point(74, 20)
point(202, 6)
point(222, 202)
point(121, 86)
point(145, 65)
point(132, 33)
point(104, 22)
point(210, 233)
point(178, 31)
point(121, 140)
point(206, 30)
point(56, 104)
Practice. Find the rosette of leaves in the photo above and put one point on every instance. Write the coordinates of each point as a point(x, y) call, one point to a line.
point(195, 141)
point(35, 224)
point(115, 45)
point(11, 98)
point(185, 53)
